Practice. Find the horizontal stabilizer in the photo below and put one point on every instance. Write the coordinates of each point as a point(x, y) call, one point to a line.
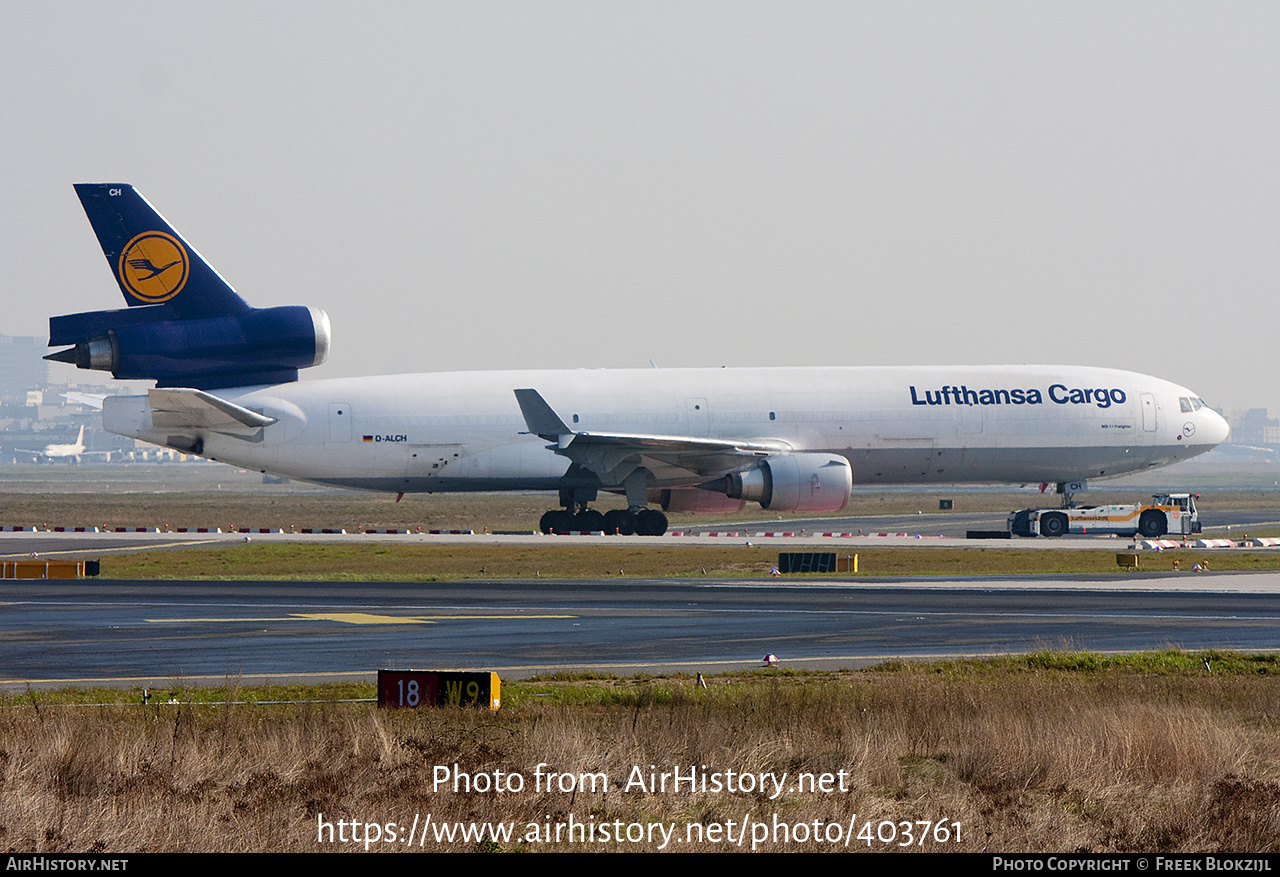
point(196, 409)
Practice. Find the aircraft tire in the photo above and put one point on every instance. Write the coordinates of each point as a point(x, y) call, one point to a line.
point(651, 522)
point(1152, 525)
point(1053, 524)
point(588, 521)
point(556, 521)
point(619, 521)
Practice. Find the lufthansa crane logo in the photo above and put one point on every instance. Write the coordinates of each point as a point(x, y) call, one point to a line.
point(154, 267)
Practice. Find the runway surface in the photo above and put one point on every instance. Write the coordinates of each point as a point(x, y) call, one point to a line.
point(1218, 522)
point(119, 632)
point(945, 530)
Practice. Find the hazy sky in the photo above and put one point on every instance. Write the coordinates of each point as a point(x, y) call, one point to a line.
point(490, 185)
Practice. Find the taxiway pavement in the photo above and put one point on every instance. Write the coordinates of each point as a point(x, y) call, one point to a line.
point(159, 633)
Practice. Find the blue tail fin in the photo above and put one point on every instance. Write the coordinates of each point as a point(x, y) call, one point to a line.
point(152, 262)
point(185, 326)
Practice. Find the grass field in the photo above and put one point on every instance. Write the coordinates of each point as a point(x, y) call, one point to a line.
point(1048, 752)
point(316, 508)
point(1038, 753)
point(384, 562)
point(312, 508)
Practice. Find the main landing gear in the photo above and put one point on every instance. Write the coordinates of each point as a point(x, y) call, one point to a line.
point(624, 522)
point(634, 519)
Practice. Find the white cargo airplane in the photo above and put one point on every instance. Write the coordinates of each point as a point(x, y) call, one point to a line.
point(791, 439)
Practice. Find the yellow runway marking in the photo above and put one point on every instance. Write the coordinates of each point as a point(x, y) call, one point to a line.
point(354, 618)
point(147, 547)
point(363, 618)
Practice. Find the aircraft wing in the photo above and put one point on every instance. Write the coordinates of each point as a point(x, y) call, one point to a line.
point(195, 409)
point(91, 400)
point(667, 456)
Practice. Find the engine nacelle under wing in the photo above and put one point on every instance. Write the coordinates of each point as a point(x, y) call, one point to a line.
point(795, 483)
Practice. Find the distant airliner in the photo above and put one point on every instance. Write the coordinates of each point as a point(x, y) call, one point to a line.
point(55, 451)
point(791, 439)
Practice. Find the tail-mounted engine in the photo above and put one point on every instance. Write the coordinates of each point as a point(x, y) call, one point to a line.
point(258, 346)
point(184, 325)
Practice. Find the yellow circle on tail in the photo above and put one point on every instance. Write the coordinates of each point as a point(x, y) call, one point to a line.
point(154, 267)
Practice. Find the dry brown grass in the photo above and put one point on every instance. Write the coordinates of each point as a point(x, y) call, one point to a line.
point(388, 562)
point(1024, 761)
point(190, 507)
point(303, 509)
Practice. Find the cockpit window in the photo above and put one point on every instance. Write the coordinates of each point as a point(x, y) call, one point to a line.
point(1185, 404)
point(1197, 403)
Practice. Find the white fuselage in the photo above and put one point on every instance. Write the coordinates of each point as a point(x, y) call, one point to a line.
point(464, 431)
point(55, 451)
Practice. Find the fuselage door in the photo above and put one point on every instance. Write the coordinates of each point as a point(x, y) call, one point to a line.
point(339, 421)
point(1148, 412)
point(699, 417)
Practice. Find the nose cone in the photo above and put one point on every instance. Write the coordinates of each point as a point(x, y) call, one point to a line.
point(1215, 427)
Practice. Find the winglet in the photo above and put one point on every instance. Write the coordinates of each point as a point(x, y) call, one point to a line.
point(541, 419)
